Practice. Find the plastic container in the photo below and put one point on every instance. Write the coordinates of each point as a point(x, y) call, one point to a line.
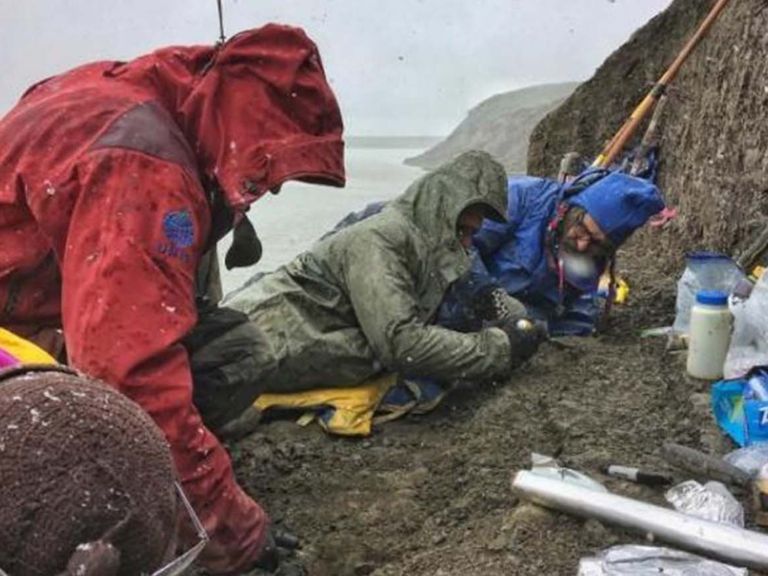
point(709, 335)
point(703, 271)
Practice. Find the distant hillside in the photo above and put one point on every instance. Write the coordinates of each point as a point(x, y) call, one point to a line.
point(399, 142)
point(500, 125)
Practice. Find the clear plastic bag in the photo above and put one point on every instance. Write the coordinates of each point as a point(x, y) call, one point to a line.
point(703, 271)
point(632, 560)
point(750, 458)
point(712, 501)
point(749, 342)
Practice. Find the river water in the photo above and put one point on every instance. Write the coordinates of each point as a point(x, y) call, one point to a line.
point(290, 222)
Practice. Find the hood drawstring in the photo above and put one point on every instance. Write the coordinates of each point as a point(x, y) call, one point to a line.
point(553, 246)
point(611, 286)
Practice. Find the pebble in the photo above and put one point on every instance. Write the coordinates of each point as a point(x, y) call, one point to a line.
point(438, 539)
point(500, 543)
point(364, 568)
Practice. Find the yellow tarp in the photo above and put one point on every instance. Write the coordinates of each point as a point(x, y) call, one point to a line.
point(23, 350)
point(353, 408)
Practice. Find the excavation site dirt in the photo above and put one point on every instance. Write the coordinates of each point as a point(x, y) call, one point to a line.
point(431, 495)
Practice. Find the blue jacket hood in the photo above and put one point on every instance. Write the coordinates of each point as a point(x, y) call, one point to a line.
point(619, 203)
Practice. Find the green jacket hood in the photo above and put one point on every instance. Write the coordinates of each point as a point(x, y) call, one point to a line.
point(435, 201)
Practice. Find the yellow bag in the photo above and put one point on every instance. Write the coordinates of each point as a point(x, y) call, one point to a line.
point(343, 411)
point(23, 350)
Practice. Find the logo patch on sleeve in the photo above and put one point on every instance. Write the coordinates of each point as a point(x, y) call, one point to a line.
point(179, 232)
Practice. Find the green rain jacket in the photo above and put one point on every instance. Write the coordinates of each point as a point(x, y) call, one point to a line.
point(362, 300)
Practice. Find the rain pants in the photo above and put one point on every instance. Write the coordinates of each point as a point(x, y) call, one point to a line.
point(363, 300)
point(115, 178)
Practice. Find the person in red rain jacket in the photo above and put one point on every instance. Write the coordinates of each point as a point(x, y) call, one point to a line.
point(115, 178)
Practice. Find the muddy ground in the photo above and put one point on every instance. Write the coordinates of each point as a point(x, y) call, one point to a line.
point(431, 495)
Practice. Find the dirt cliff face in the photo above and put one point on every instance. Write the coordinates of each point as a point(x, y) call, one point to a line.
point(713, 134)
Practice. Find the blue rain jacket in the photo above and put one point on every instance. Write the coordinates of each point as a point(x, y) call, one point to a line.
point(514, 253)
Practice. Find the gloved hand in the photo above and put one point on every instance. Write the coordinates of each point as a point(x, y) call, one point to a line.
point(279, 554)
point(493, 304)
point(525, 336)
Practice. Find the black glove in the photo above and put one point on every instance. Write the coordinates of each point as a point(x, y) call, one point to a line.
point(525, 336)
point(278, 556)
point(493, 304)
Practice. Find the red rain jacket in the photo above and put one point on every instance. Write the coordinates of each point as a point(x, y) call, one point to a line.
point(104, 216)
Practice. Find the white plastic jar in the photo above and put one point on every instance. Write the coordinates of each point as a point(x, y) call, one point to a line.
point(709, 335)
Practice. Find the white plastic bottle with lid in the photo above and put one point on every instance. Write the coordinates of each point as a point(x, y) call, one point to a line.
point(709, 335)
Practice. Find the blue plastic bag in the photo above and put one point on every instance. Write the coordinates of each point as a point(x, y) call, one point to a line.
point(741, 407)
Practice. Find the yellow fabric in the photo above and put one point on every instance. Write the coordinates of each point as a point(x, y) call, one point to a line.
point(622, 291)
point(23, 350)
point(354, 407)
point(622, 288)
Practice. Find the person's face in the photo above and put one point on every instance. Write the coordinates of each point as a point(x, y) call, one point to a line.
point(586, 237)
point(470, 222)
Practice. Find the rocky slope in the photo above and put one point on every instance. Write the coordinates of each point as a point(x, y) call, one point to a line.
point(714, 134)
point(500, 125)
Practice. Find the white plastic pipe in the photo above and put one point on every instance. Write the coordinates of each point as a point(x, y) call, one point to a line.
point(720, 541)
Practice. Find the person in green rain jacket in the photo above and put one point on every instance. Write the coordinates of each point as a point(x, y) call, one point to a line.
point(363, 299)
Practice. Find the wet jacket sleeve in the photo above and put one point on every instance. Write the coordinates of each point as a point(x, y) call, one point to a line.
point(383, 294)
point(513, 251)
point(128, 272)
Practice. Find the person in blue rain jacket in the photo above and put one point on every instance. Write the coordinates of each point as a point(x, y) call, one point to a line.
point(559, 239)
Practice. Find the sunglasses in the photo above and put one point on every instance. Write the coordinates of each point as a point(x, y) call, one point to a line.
point(183, 562)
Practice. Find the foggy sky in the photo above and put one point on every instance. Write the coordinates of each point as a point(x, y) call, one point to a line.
point(401, 67)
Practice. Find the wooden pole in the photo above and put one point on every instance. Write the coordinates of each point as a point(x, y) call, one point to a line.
point(617, 143)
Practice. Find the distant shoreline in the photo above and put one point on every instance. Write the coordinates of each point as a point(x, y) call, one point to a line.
point(393, 142)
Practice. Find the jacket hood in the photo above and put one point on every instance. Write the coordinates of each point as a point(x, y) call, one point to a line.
point(620, 204)
point(435, 201)
point(257, 109)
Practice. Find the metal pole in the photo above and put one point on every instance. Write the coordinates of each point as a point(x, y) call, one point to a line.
point(720, 541)
point(221, 22)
